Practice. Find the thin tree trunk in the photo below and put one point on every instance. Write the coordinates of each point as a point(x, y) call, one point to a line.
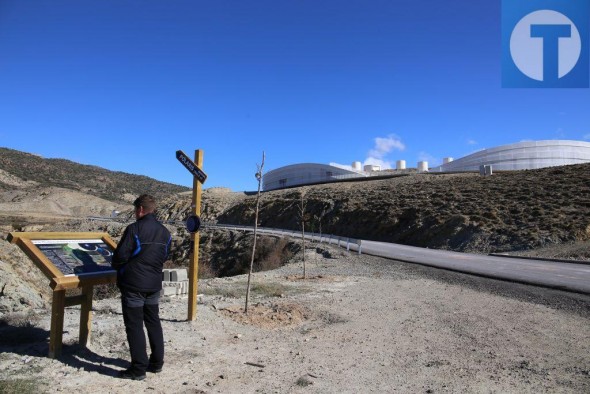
point(303, 242)
point(303, 235)
point(259, 178)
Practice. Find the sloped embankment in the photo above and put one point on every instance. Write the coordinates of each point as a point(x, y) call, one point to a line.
point(509, 211)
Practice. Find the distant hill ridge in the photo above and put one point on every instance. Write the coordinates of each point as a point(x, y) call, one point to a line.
point(509, 211)
point(103, 183)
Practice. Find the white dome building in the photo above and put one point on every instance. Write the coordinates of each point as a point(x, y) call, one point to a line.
point(519, 156)
point(306, 174)
point(522, 156)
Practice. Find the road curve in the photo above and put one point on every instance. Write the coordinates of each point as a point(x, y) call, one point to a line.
point(564, 276)
point(559, 275)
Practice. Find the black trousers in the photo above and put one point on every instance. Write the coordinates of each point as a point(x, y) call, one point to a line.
point(141, 309)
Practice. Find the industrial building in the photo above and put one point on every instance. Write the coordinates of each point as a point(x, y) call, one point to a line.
point(526, 155)
point(306, 174)
point(518, 156)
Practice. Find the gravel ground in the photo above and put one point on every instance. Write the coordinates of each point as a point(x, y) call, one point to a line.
point(356, 324)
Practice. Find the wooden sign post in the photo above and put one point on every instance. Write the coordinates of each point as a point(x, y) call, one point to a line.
point(69, 260)
point(199, 178)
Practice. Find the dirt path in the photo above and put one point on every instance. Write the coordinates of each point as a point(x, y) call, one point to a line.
point(359, 324)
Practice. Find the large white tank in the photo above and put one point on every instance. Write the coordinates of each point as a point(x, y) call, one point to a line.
point(447, 160)
point(356, 165)
point(422, 166)
point(400, 164)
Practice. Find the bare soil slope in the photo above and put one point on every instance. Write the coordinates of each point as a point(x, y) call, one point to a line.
point(517, 210)
point(357, 324)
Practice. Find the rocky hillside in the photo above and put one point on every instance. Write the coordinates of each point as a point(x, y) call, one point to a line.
point(544, 213)
point(509, 211)
point(20, 170)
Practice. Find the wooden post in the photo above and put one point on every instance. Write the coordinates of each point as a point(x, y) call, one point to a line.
point(60, 302)
point(193, 272)
point(86, 315)
point(57, 323)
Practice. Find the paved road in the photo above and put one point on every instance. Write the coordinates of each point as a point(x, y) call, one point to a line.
point(566, 276)
point(560, 275)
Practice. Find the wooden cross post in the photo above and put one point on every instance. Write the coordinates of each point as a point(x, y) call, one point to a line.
point(193, 272)
point(199, 177)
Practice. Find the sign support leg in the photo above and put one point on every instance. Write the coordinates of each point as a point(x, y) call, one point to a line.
point(57, 323)
point(86, 315)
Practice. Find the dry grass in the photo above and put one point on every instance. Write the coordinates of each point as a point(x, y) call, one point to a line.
point(303, 381)
point(19, 319)
point(271, 253)
point(104, 291)
point(258, 289)
point(20, 386)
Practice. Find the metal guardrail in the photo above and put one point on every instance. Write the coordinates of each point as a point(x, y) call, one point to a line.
point(350, 243)
point(344, 242)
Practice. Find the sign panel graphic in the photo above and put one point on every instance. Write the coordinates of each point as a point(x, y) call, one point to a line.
point(77, 256)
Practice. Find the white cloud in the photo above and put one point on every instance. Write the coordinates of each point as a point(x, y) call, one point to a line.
point(377, 156)
point(385, 145)
point(471, 142)
point(586, 136)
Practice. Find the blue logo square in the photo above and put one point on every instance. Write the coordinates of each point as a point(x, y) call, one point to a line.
point(545, 43)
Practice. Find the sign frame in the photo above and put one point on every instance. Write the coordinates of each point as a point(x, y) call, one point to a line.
point(61, 282)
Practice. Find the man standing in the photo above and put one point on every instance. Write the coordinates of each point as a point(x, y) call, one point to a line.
point(139, 259)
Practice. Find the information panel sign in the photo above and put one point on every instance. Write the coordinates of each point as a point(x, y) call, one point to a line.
point(77, 256)
point(70, 260)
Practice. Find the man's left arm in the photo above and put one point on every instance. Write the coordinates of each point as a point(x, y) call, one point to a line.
point(124, 249)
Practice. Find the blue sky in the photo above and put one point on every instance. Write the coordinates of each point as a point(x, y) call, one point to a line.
point(123, 84)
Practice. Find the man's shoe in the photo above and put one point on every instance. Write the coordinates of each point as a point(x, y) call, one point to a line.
point(154, 369)
point(127, 374)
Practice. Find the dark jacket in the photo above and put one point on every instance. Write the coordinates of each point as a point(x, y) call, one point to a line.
point(140, 255)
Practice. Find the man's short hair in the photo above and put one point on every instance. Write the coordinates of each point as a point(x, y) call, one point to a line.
point(146, 201)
